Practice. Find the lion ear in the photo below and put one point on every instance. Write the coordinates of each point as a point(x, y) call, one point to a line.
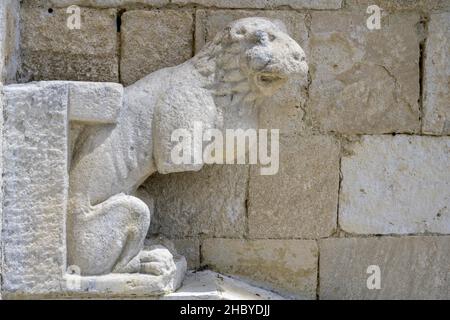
point(280, 25)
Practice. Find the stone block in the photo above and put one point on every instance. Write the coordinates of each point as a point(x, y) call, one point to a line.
point(436, 94)
point(95, 102)
point(396, 5)
point(105, 3)
point(364, 81)
point(397, 184)
point(35, 185)
point(300, 201)
point(9, 40)
point(285, 110)
point(210, 202)
point(153, 40)
point(52, 51)
point(294, 4)
point(409, 268)
point(190, 249)
point(286, 266)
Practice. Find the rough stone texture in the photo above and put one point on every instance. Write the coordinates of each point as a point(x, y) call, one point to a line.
point(287, 266)
point(1, 183)
point(285, 109)
point(51, 51)
point(9, 33)
point(364, 81)
point(299, 201)
point(208, 285)
point(211, 202)
point(190, 249)
point(105, 3)
point(95, 102)
point(392, 5)
point(436, 94)
point(397, 184)
point(294, 4)
point(9, 40)
point(411, 267)
point(35, 187)
point(152, 40)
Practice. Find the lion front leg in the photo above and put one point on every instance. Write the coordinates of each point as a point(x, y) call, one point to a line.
point(109, 236)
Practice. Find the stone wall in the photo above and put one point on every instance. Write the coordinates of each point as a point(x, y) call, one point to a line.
point(365, 148)
point(9, 60)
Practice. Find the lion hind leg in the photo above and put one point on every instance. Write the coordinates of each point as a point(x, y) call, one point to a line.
point(110, 236)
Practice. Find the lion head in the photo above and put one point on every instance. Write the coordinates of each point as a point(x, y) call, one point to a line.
point(254, 56)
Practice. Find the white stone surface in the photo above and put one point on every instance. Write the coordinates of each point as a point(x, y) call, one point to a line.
point(35, 187)
point(95, 102)
point(436, 94)
point(396, 184)
point(209, 285)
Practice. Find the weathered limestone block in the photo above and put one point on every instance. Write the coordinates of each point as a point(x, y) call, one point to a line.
point(285, 109)
point(105, 3)
point(95, 102)
point(9, 32)
point(209, 285)
point(52, 51)
point(9, 40)
point(364, 81)
point(1, 183)
point(410, 268)
point(294, 4)
point(190, 249)
point(211, 202)
point(436, 94)
point(35, 187)
point(397, 184)
point(287, 266)
point(151, 40)
point(392, 5)
point(299, 201)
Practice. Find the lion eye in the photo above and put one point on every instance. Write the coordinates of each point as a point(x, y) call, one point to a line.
point(272, 37)
point(241, 31)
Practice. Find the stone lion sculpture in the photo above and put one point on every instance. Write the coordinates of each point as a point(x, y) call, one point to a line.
point(221, 87)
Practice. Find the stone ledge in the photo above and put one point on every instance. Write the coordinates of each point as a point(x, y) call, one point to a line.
point(209, 285)
point(89, 102)
point(285, 266)
point(95, 101)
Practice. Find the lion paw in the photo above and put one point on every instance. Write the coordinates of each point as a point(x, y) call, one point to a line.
point(157, 260)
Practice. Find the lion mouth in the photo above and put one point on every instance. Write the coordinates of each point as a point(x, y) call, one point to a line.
point(266, 80)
